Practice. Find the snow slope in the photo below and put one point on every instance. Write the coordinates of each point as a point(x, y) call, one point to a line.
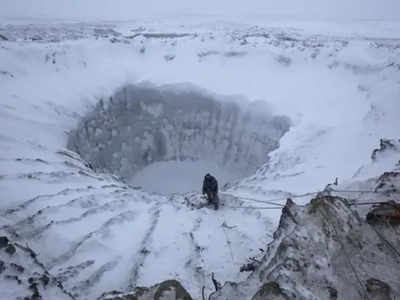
point(97, 233)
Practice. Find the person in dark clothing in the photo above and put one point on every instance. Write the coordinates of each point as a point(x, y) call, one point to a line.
point(210, 188)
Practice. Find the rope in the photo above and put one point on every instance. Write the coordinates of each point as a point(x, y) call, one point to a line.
point(366, 203)
point(272, 201)
point(392, 227)
point(388, 244)
point(256, 200)
point(381, 236)
point(353, 191)
point(347, 257)
point(253, 207)
point(260, 201)
point(304, 195)
point(360, 191)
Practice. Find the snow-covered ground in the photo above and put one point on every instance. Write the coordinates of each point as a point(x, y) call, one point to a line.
point(177, 177)
point(338, 83)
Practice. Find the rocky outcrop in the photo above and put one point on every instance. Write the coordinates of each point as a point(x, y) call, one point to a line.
point(388, 183)
point(3, 241)
point(385, 158)
point(140, 125)
point(378, 290)
point(270, 290)
point(323, 250)
point(166, 290)
point(385, 146)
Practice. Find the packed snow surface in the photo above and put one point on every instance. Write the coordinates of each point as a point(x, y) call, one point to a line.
point(338, 83)
point(180, 176)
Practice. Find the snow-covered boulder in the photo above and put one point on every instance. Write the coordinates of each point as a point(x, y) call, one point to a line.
point(323, 250)
point(166, 290)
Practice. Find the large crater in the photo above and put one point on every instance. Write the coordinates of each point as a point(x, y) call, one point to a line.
point(165, 138)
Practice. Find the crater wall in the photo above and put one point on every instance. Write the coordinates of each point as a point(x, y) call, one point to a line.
point(140, 125)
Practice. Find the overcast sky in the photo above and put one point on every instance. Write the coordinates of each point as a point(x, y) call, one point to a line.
point(129, 9)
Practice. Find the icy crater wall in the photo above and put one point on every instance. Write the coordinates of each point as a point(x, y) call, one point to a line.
point(140, 125)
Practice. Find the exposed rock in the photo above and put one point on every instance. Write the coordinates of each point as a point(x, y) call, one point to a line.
point(45, 279)
point(2, 266)
point(34, 288)
point(382, 159)
point(250, 267)
point(89, 240)
point(13, 277)
point(166, 290)
point(385, 145)
point(333, 293)
point(17, 268)
point(173, 286)
point(270, 290)
point(322, 250)
point(10, 249)
point(388, 183)
point(378, 290)
point(3, 241)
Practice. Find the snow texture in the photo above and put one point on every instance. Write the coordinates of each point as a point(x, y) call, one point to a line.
point(326, 250)
point(94, 232)
point(142, 125)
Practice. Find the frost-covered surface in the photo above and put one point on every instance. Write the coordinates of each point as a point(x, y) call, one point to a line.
point(141, 125)
point(96, 233)
point(23, 276)
point(324, 250)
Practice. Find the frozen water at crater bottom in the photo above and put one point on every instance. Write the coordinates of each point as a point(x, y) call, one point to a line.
point(181, 176)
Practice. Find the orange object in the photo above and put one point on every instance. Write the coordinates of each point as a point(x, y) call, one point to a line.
point(385, 211)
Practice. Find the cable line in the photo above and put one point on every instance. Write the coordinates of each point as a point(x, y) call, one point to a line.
point(346, 255)
point(361, 191)
point(254, 207)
